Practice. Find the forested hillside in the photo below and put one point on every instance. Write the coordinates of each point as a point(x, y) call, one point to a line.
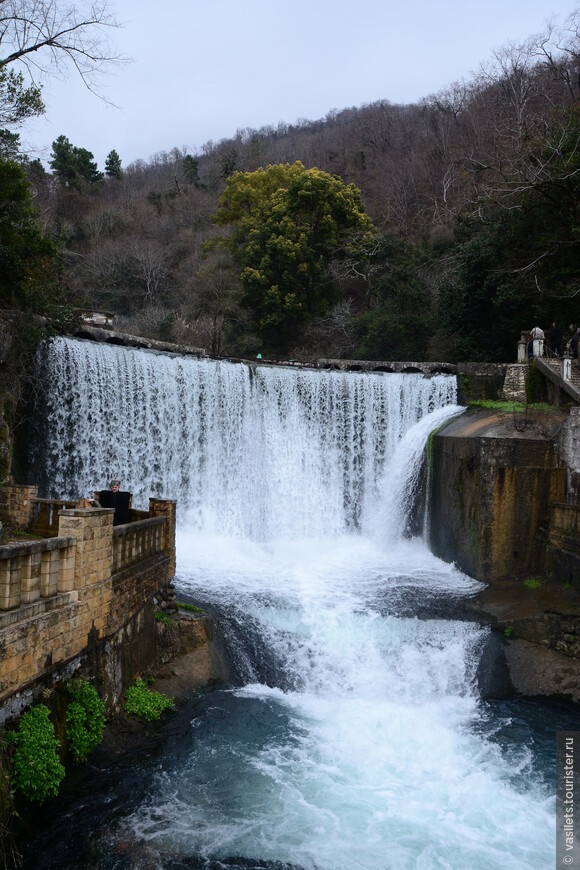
point(473, 197)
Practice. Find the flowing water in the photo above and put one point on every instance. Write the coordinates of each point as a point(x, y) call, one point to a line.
point(353, 733)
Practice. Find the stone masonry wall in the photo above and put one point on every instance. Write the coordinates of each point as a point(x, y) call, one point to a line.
point(103, 622)
point(16, 503)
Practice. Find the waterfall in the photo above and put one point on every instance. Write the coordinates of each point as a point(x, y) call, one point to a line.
point(352, 733)
point(254, 451)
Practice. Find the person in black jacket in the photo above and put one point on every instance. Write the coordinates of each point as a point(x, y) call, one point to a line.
point(114, 498)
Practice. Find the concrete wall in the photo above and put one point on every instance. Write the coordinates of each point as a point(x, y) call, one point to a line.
point(492, 489)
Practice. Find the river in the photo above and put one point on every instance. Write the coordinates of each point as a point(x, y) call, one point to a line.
point(353, 734)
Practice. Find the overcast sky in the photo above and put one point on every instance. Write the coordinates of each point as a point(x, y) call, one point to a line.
point(201, 71)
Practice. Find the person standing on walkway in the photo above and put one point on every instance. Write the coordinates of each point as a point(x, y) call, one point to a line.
point(114, 498)
point(556, 339)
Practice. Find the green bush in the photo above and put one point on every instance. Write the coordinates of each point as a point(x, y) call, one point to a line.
point(85, 720)
point(163, 617)
point(534, 583)
point(193, 608)
point(141, 701)
point(37, 771)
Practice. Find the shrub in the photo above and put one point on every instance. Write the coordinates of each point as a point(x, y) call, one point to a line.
point(85, 720)
point(164, 618)
point(534, 583)
point(141, 701)
point(37, 771)
point(193, 608)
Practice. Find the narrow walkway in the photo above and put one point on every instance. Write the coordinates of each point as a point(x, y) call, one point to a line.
point(551, 368)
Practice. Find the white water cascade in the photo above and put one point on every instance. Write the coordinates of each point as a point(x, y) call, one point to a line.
point(353, 735)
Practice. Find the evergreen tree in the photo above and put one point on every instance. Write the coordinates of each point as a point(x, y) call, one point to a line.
point(191, 170)
point(113, 165)
point(73, 166)
point(29, 258)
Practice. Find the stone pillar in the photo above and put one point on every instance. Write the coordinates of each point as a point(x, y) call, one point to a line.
point(566, 368)
point(538, 346)
point(164, 507)
point(30, 583)
point(49, 574)
point(92, 529)
point(16, 504)
point(10, 581)
point(66, 572)
point(522, 351)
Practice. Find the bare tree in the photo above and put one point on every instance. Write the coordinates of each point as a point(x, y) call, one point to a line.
point(559, 50)
point(49, 37)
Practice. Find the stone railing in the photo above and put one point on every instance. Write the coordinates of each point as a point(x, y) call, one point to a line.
point(61, 596)
point(137, 541)
point(44, 512)
point(80, 546)
point(35, 570)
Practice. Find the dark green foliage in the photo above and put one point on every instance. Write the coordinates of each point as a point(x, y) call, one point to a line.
point(191, 170)
point(401, 324)
point(37, 771)
point(30, 264)
point(536, 391)
point(73, 166)
point(17, 102)
point(9, 145)
point(163, 618)
point(193, 608)
point(141, 701)
point(85, 720)
point(113, 165)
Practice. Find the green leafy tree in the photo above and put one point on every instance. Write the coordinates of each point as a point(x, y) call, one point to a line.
point(73, 166)
point(17, 102)
point(113, 165)
point(30, 261)
point(290, 225)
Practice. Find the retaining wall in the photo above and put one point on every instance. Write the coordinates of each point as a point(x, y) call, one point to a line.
point(83, 600)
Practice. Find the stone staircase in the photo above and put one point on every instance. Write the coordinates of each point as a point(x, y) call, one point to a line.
point(514, 388)
point(551, 369)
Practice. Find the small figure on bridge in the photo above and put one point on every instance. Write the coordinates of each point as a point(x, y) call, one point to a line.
point(114, 498)
point(536, 342)
point(556, 339)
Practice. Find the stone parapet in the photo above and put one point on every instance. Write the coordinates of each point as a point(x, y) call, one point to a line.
point(166, 508)
point(16, 504)
point(64, 598)
point(35, 570)
point(93, 530)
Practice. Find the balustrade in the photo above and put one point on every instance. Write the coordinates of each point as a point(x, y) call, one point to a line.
point(44, 515)
point(137, 541)
point(35, 570)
